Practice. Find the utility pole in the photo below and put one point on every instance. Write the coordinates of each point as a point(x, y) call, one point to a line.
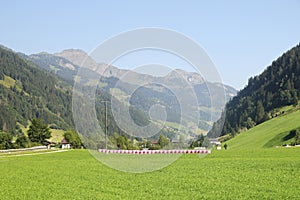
point(106, 127)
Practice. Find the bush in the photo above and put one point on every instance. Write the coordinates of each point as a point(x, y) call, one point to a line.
point(5, 140)
point(22, 142)
point(73, 138)
point(163, 141)
point(296, 132)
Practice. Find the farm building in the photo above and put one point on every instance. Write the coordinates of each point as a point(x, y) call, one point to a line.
point(65, 144)
point(216, 143)
point(177, 144)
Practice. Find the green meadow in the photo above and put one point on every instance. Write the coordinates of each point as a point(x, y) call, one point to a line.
point(246, 170)
point(269, 134)
point(75, 174)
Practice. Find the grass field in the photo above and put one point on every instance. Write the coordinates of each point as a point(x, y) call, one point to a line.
point(57, 135)
point(247, 170)
point(261, 174)
point(53, 68)
point(266, 134)
point(8, 82)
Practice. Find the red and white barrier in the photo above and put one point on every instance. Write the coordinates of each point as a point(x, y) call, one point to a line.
point(181, 151)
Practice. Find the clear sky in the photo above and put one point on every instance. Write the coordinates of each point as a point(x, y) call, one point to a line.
point(241, 37)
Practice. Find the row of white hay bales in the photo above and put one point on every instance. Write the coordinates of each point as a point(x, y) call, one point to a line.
point(161, 151)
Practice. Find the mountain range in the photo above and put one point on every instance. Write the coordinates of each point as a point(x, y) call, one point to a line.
point(41, 86)
point(149, 90)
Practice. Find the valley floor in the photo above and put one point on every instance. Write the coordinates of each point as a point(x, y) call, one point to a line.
point(227, 174)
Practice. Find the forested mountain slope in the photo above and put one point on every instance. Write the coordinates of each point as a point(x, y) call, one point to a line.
point(27, 92)
point(277, 86)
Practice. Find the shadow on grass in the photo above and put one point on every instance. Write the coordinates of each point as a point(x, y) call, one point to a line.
point(280, 139)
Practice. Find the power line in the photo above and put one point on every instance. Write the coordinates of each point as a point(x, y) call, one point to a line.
point(106, 127)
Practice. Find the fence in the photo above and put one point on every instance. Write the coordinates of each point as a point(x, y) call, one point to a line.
point(187, 151)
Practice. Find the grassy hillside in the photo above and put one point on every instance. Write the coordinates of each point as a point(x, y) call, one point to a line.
point(57, 135)
point(8, 82)
point(267, 134)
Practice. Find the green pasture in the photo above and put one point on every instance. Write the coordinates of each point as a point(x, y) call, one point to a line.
point(251, 168)
point(255, 174)
point(268, 134)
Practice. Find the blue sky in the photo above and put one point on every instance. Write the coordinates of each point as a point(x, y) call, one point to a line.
point(241, 37)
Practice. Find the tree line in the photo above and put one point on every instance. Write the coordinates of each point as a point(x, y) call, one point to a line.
point(37, 134)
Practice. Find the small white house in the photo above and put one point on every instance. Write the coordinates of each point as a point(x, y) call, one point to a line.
point(216, 143)
point(65, 144)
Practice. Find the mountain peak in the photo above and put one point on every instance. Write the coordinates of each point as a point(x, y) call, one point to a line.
point(192, 77)
point(72, 54)
point(78, 57)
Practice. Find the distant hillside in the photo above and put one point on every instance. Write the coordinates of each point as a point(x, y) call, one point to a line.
point(56, 65)
point(277, 86)
point(66, 64)
point(27, 92)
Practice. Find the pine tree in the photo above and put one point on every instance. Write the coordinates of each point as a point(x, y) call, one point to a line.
point(38, 131)
point(295, 99)
point(260, 112)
